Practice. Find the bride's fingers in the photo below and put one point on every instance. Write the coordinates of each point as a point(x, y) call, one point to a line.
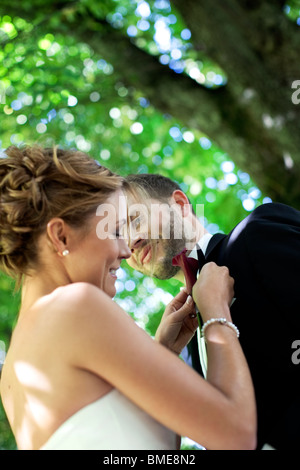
point(185, 310)
point(180, 299)
point(181, 296)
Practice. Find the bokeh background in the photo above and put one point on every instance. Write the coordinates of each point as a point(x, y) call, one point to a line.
point(203, 92)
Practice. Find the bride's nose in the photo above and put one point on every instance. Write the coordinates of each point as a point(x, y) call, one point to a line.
point(125, 251)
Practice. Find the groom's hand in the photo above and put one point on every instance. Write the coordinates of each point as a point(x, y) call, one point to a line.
point(178, 324)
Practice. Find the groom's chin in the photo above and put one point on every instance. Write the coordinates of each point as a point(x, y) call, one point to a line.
point(164, 272)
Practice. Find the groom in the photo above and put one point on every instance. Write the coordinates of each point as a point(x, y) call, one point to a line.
point(263, 256)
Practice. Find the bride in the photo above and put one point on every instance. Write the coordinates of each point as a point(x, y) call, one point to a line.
point(79, 373)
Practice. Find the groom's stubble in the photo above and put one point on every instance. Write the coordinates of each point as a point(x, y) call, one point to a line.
point(163, 251)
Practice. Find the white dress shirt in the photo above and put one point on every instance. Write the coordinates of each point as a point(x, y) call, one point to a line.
point(202, 243)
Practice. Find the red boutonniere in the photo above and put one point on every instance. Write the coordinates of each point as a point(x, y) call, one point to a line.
point(189, 267)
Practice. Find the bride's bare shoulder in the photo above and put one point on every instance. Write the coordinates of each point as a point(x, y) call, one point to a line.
point(81, 291)
point(76, 313)
point(81, 299)
point(74, 296)
point(78, 290)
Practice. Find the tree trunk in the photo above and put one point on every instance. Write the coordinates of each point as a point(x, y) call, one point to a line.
point(257, 47)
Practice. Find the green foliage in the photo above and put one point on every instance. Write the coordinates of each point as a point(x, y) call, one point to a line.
point(9, 304)
point(292, 10)
point(56, 90)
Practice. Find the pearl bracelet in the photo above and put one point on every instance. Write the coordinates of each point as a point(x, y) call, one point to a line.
point(221, 321)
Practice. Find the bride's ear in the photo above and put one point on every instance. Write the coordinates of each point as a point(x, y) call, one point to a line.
point(182, 200)
point(57, 234)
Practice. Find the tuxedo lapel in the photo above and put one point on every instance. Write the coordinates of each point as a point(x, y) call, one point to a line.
point(213, 243)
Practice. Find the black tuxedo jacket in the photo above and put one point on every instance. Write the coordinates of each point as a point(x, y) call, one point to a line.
point(263, 256)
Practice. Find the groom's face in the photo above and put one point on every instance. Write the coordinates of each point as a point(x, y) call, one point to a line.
point(155, 239)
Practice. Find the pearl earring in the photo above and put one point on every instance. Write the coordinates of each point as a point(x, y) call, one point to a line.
point(65, 252)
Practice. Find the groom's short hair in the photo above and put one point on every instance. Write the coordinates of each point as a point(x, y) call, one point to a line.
point(156, 186)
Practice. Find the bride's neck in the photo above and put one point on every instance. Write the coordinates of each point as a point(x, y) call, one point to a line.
point(35, 287)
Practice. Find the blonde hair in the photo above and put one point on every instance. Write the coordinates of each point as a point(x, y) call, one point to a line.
point(37, 184)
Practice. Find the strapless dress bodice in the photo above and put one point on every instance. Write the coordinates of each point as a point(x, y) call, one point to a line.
point(111, 423)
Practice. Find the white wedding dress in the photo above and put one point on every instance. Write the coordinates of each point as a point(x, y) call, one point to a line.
point(111, 423)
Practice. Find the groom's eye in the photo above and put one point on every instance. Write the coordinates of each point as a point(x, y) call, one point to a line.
point(135, 223)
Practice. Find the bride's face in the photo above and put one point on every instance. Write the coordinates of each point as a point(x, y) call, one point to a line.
point(97, 256)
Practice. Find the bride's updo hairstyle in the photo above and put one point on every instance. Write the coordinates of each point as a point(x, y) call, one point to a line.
point(37, 184)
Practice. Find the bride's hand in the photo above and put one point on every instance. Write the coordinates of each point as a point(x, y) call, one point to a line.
point(213, 292)
point(178, 323)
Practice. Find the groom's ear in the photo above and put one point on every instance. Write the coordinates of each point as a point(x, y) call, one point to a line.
point(182, 200)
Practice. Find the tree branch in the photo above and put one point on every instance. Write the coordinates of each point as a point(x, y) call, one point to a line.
point(233, 115)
